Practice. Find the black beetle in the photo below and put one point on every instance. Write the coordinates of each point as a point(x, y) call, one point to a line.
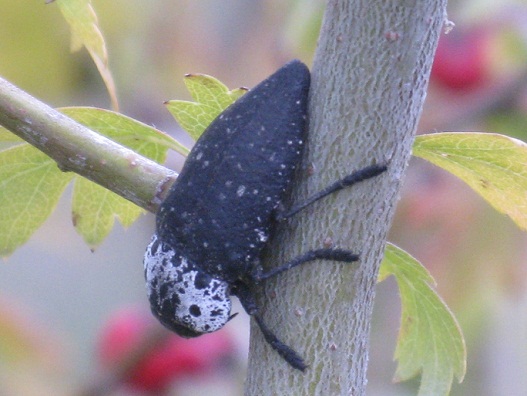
point(220, 212)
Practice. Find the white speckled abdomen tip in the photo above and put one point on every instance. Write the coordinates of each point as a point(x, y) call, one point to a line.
point(182, 295)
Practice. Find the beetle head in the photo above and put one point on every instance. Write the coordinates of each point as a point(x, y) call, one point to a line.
point(184, 299)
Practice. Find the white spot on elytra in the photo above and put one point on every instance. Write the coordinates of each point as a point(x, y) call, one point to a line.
point(262, 235)
point(240, 191)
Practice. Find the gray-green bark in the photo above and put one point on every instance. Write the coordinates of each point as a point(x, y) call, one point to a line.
point(369, 83)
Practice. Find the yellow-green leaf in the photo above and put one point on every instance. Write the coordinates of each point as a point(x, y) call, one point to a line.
point(30, 188)
point(94, 208)
point(430, 341)
point(207, 90)
point(211, 98)
point(85, 30)
point(495, 166)
point(144, 139)
point(31, 183)
point(9, 137)
point(237, 93)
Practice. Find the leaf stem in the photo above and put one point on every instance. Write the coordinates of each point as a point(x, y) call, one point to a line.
point(78, 149)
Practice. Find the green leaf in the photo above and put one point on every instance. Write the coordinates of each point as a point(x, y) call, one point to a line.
point(495, 166)
point(30, 188)
point(211, 98)
point(9, 137)
point(236, 94)
point(85, 30)
point(430, 341)
point(144, 139)
point(95, 208)
point(31, 183)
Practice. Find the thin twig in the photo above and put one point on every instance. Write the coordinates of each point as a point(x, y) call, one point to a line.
point(78, 149)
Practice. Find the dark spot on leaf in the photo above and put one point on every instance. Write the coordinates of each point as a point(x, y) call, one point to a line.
point(484, 183)
point(75, 218)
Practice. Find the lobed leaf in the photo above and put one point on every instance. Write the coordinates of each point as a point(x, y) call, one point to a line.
point(144, 139)
point(85, 31)
point(430, 341)
point(495, 166)
point(30, 188)
point(211, 98)
point(9, 137)
point(94, 208)
point(31, 183)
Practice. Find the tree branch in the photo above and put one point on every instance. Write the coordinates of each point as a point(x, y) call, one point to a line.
point(369, 83)
point(78, 149)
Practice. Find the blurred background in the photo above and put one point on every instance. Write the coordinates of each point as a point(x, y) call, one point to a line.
point(70, 316)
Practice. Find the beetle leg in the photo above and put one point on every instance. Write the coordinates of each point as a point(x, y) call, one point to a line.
point(319, 254)
point(289, 355)
point(355, 177)
point(248, 302)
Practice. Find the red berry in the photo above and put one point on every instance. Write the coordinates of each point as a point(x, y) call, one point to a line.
point(172, 359)
point(461, 60)
point(119, 334)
